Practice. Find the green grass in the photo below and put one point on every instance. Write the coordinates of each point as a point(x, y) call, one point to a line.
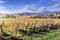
point(52, 35)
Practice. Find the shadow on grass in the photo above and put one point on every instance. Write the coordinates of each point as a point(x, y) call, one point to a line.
point(5, 37)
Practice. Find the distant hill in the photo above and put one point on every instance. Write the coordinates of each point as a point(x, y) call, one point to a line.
point(33, 15)
point(43, 13)
point(28, 14)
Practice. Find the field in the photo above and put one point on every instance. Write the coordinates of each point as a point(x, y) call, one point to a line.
point(25, 28)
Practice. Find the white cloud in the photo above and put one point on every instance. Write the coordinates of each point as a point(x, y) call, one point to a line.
point(31, 8)
point(27, 8)
point(55, 7)
point(56, 1)
point(1, 1)
point(2, 7)
point(4, 10)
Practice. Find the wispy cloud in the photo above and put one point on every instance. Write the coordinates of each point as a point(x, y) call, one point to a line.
point(55, 7)
point(31, 8)
point(4, 10)
point(2, 7)
point(1, 1)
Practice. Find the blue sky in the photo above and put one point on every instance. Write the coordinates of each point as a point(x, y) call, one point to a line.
point(34, 6)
